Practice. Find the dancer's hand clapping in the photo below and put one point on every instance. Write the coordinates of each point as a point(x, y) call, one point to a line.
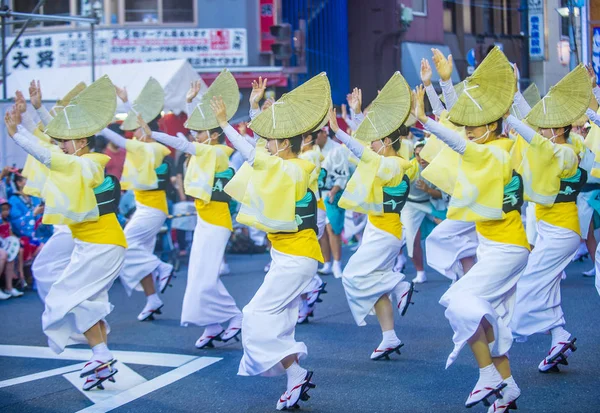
point(443, 66)
point(35, 94)
point(418, 104)
point(333, 123)
point(20, 102)
point(12, 119)
point(218, 107)
point(193, 91)
point(258, 91)
point(426, 72)
point(121, 93)
point(146, 131)
point(355, 100)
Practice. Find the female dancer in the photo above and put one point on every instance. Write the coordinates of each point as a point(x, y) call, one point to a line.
point(275, 196)
point(379, 188)
point(553, 181)
point(145, 173)
point(479, 305)
point(77, 302)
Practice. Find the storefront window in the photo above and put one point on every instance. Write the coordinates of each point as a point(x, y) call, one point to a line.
point(142, 11)
point(178, 11)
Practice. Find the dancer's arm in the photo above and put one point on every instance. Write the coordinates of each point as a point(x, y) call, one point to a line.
point(356, 148)
point(244, 147)
point(434, 99)
point(114, 137)
point(522, 129)
point(180, 142)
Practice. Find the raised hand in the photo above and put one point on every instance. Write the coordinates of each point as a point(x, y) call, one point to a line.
point(355, 101)
point(418, 104)
point(426, 72)
point(121, 93)
point(20, 102)
point(35, 94)
point(442, 65)
point(344, 111)
point(218, 107)
point(268, 103)
point(146, 131)
point(193, 91)
point(258, 91)
point(12, 119)
point(333, 123)
point(592, 74)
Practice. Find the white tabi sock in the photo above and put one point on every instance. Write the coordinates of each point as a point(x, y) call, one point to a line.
point(390, 337)
point(212, 330)
point(559, 334)
point(488, 376)
point(101, 352)
point(153, 301)
point(295, 375)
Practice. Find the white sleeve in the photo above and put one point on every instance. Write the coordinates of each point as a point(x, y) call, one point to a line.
point(356, 148)
point(434, 99)
point(521, 105)
point(246, 149)
point(525, 131)
point(456, 142)
point(180, 143)
point(45, 116)
point(449, 93)
point(596, 91)
point(27, 122)
point(29, 143)
point(114, 137)
point(593, 116)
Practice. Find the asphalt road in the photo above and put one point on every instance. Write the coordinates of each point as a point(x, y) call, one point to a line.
point(347, 381)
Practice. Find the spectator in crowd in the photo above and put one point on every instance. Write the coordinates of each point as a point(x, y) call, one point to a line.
point(9, 252)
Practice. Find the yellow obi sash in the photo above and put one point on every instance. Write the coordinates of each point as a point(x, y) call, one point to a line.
point(140, 163)
point(201, 170)
point(69, 189)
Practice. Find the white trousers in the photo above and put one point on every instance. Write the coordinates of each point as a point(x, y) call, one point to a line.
point(370, 273)
point(206, 300)
point(412, 216)
point(79, 297)
point(538, 307)
point(141, 232)
point(448, 243)
point(270, 318)
point(531, 223)
point(486, 291)
point(52, 260)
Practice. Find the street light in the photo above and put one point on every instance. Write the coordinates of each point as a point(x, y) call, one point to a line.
point(564, 11)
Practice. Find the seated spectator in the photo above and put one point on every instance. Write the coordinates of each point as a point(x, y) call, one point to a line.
point(9, 252)
point(26, 220)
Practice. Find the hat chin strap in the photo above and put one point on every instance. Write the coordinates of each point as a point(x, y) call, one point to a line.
point(554, 135)
point(383, 145)
point(277, 148)
point(75, 151)
point(484, 136)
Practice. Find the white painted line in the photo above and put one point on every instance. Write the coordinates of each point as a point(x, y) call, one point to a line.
point(125, 379)
point(151, 385)
point(130, 357)
point(41, 375)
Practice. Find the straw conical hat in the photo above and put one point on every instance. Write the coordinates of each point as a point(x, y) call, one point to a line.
point(488, 94)
point(323, 122)
point(87, 114)
point(225, 85)
point(458, 88)
point(566, 101)
point(388, 111)
point(411, 121)
point(79, 87)
point(149, 103)
point(296, 112)
point(532, 95)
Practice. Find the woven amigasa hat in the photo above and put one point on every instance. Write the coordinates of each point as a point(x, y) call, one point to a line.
point(61, 103)
point(387, 112)
point(531, 96)
point(203, 118)
point(149, 104)
point(458, 88)
point(564, 103)
point(294, 113)
point(488, 93)
point(87, 113)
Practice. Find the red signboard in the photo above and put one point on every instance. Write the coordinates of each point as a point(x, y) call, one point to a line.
point(268, 17)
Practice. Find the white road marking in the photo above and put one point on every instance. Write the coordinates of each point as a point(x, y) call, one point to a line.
point(125, 379)
point(129, 385)
point(151, 385)
point(130, 357)
point(41, 375)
